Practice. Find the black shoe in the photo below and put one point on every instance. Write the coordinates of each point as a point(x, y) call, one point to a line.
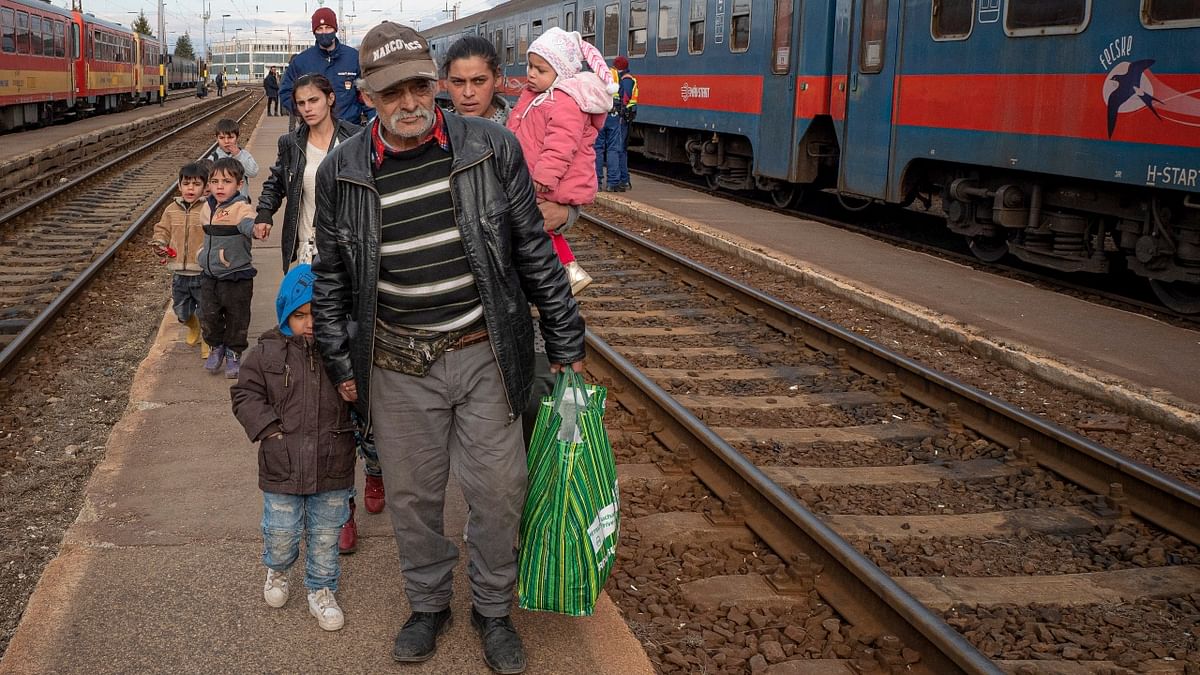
point(626, 186)
point(619, 188)
point(502, 648)
point(417, 640)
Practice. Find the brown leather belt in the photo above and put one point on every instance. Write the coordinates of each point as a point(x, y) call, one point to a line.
point(468, 340)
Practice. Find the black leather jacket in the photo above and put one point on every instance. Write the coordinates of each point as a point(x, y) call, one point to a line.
point(510, 256)
point(286, 181)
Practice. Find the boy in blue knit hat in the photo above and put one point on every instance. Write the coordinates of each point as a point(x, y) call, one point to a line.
point(287, 405)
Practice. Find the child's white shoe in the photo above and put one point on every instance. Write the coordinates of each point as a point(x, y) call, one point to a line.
point(577, 277)
point(275, 590)
point(324, 607)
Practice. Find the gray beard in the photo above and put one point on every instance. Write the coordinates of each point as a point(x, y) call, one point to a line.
point(392, 124)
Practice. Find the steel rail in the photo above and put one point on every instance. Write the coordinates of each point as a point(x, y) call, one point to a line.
point(30, 333)
point(865, 595)
point(60, 189)
point(1152, 495)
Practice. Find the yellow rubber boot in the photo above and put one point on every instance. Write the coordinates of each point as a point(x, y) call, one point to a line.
point(204, 349)
point(193, 326)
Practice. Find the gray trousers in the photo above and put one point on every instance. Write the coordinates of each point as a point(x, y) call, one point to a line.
point(453, 419)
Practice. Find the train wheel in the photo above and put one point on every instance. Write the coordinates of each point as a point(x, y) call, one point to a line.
point(853, 204)
point(988, 249)
point(786, 196)
point(1178, 295)
point(711, 179)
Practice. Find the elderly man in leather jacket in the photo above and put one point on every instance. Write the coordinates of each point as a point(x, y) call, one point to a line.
point(430, 249)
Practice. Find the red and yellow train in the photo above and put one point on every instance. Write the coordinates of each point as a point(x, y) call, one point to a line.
point(57, 64)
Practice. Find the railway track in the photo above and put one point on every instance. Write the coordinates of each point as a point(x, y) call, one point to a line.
point(928, 525)
point(54, 244)
point(945, 245)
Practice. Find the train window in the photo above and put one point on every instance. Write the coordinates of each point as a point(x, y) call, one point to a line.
point(638, 16)
point(48, 38)
point(739, 26)
point(781, 48)
point(1046, 17)
point(537, 29)
point(8, 26)
point(60, 39)
point(35, 35)
point(612, 29)
point(588, 27)
point(522, 42)
point(552, 22)
point(951, 19)
point(22, 33)
point(510, 46)
point(874, 36)
point(696, 12)
point(668, 27)
point(1170, 13)
point(569, 21)
point(74, 40)
point(498, 40)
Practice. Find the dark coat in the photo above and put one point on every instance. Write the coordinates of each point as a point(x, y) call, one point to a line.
point(511, 258)
point(271, 85)
point(340, 66)
point(282, 388)
point(287, 180)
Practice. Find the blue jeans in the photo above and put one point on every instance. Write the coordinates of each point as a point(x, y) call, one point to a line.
point(185, 296)
point(610, 150)
point(288, 517)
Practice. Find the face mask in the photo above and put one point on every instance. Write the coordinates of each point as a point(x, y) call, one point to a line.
point(326, 40)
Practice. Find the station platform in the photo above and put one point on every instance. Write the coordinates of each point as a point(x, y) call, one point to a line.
point(161, 571)
point(1154, 358)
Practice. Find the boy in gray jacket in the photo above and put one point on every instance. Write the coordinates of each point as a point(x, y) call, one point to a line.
point(228, 132)
point(227, 270)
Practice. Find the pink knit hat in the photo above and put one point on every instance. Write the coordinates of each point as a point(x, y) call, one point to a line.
point(565, 53)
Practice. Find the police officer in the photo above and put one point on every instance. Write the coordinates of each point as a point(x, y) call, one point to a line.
point(612, 143)
point(331, 58)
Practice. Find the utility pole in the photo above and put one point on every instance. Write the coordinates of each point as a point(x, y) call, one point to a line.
point(162, 59)
point(452, 10)
point(204, 49)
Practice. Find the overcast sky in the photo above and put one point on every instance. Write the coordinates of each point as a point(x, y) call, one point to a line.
point(272, 18)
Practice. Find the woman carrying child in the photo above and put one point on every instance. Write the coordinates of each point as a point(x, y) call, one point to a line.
point(556, 120)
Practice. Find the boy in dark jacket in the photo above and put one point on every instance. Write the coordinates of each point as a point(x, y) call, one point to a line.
point(286, 403)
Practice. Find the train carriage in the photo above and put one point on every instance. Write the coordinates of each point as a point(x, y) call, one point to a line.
point(36, 66)
point(147, 52)
point(1065, 132)
point(108, 77)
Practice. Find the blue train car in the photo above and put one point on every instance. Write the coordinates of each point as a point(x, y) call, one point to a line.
point(1065, 132)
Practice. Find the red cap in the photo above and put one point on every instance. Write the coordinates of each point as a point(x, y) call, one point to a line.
point(324, 17)
point(621, 63)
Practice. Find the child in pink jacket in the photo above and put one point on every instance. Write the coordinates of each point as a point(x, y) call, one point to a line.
point(556, 120)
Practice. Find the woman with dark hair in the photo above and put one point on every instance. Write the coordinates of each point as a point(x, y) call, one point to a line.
point(294, 175)
point(294, 178)
point(472, 74)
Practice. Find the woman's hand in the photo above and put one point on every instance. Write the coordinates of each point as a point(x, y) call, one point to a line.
point(262, 230)
point(348, 391)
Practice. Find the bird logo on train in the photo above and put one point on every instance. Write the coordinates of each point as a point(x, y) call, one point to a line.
point(1132, 86)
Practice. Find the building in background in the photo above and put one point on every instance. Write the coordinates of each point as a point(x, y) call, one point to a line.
point(247, 59)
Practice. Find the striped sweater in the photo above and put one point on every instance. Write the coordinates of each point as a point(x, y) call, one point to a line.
point(425, 281)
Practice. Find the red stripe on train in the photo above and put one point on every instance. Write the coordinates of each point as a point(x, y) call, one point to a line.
point(719, 93)
point(1072, 106)
point(812, 96)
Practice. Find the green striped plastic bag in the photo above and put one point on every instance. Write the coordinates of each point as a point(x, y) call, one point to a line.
point(570, 523)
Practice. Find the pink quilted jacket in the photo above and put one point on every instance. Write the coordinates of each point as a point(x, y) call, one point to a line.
point(558, 139)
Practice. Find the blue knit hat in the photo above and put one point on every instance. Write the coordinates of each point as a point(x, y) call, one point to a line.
point(295, 291)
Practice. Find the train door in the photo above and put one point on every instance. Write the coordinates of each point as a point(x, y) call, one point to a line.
point(870, 80)
point(776, 123)
point(72, 47)
point(569, 16)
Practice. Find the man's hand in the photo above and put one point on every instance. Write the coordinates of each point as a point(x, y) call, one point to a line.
point(557, 367)
point(554, 214)
point(348, 391)
point(262, 230)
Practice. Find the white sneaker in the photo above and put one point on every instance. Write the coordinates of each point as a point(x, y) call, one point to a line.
point(275, 590)
point(323, 605)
